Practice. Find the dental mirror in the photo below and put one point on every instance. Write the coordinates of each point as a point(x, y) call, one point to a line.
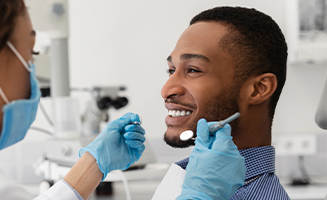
point(186, 135)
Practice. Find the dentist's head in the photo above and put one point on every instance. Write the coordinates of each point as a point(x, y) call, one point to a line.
point(19, 90)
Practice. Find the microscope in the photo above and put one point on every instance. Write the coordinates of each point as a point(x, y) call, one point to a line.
point(103, 98)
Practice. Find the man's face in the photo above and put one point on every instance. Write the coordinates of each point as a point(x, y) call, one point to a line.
point(200, 83)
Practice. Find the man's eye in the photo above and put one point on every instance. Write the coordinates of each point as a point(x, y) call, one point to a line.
point(170, 71)
point(191, 70)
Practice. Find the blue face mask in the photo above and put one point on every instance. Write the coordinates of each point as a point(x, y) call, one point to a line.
point(18, 115)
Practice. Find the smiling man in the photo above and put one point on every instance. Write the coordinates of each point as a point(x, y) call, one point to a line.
point(230, 59)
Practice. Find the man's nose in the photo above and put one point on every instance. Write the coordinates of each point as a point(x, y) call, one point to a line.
point(173, 87)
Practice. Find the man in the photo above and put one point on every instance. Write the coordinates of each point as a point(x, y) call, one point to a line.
point(230, 59)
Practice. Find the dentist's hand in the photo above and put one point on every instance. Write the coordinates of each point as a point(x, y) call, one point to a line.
point(119, 145)
point(215, 169)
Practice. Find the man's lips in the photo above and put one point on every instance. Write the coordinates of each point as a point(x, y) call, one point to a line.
point(173, 106)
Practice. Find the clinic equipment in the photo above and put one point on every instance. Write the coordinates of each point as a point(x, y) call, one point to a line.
point(188, 134)
point(52, 17)
point(103, 98)
point(321, 112)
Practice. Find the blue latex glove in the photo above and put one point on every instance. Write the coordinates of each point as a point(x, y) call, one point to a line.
point(119, 145)
point(215, 169)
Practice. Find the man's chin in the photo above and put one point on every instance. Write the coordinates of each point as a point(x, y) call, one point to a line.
point(175, 142)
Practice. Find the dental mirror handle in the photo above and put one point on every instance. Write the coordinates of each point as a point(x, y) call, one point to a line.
point(219, 125)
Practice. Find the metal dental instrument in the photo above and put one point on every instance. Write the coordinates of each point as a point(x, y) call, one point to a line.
point(187, 135)
point(136, 122)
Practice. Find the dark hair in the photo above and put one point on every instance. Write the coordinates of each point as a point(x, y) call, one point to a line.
point(9, 11)
point(255, 41)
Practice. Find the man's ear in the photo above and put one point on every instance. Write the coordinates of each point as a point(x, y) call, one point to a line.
point(261, 88)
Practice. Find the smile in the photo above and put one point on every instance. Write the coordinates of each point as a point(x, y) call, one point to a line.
point(178, 113)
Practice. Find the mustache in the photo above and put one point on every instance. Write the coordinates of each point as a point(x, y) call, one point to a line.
point(174, 101)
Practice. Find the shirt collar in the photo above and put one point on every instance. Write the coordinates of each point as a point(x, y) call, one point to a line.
point(258, 160)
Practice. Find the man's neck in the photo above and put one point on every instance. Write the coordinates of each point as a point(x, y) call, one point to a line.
point(252, 132)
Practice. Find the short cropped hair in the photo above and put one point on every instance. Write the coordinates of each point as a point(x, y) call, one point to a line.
point(256, 43)
point(9, 12)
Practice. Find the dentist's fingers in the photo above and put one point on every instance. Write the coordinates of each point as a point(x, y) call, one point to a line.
point(135, 144)
point(223, 142)
point(136, 118)
point(134, 128)
point(134, 136)
point(203, 135)
point(119, 124)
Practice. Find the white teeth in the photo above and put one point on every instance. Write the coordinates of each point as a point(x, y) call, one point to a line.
point(178, 113)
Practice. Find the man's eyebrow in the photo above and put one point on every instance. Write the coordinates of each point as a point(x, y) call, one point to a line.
point(188, 56)
point(33, 33)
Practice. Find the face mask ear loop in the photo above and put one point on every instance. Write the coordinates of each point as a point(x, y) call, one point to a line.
point(18, 56)
point(2, 94)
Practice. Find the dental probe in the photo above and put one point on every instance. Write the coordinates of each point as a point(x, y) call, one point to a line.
point(186, 135)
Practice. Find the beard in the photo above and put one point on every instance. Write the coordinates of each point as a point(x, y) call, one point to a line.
point(222, 107)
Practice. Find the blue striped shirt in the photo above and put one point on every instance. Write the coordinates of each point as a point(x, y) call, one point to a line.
point(259, 161)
